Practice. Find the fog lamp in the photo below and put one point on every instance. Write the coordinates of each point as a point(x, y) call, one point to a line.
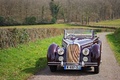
point(85, 59)
point(60, 58)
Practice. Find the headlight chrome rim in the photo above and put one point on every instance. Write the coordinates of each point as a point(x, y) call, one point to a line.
point(60, 51)
point(60, 58)
point(85, 59)
point(85, 51)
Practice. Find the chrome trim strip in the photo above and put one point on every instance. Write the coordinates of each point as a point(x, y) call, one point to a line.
point(87, 45)
point(71, 63)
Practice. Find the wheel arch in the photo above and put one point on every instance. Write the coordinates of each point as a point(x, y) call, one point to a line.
point(51, 53)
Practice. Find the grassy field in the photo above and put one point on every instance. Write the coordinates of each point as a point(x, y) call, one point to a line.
point(114, 41)
point(43, 26)
point(63, 26)
point(50, 26)
point(109, 23)
point(21, 62)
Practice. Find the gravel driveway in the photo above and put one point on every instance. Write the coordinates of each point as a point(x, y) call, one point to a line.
point(109, 69)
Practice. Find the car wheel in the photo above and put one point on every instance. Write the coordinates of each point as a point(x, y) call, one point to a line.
point(96, 69)
point(53, 68)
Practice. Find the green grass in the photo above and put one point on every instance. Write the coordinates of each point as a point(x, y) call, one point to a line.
point(109, 23)
point(49, 26)
point(55, 26)
point(114, 42)
point(43, 26)
point(23, 61)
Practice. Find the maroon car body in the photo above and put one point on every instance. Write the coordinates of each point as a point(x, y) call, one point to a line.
point(80, 49)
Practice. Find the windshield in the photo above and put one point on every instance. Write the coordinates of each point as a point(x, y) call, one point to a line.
point(78, 33)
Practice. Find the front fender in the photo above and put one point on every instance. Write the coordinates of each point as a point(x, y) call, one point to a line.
point(96, 53)
point(51, 53)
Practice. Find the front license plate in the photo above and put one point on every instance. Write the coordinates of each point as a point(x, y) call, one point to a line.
point(72, 67)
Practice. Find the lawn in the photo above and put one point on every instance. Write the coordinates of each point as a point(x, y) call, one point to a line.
point(43, 26)
point(63, 26)
point(49, 26)
point(25, 60)
point(114, 42)
point(109, 23)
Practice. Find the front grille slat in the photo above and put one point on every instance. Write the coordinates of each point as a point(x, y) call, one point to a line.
point(73, 53)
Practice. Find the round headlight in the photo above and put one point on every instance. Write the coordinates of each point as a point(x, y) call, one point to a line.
point(85, 51)
point(85, 59)
point(60, 58)
point(60, 51)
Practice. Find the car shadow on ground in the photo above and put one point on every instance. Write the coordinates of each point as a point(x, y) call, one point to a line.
point(60, 72)
point(39, 63)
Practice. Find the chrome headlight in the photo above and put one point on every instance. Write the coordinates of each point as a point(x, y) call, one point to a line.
point(85, 51)
point(60, 51)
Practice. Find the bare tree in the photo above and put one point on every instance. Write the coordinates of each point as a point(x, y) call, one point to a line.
point(71, 10)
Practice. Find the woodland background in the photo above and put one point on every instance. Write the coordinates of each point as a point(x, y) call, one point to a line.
point(16, 12)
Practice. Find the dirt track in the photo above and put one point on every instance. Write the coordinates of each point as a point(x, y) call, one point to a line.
point(109, 69)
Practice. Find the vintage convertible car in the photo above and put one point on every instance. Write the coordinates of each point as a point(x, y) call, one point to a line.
point(80, 49)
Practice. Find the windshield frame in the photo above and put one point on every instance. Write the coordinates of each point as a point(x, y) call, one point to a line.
point(78, 33)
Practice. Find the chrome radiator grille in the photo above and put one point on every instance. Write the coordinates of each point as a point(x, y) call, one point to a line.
point(73, 53)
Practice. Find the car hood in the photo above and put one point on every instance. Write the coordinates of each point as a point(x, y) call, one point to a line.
point(76, 41)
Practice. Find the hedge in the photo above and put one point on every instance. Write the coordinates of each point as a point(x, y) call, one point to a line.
point(11, 37)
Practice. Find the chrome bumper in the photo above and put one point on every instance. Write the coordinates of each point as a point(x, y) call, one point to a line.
point(82, 64)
